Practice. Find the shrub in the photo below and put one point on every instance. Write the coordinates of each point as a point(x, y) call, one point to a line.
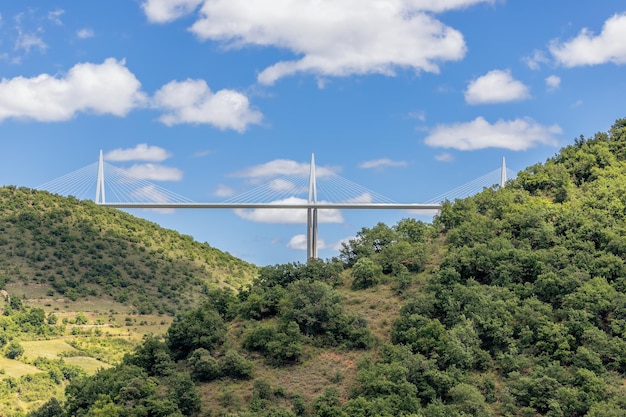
point(204, 367)
point(14, 350)
point(236, 366)
point(365, 274)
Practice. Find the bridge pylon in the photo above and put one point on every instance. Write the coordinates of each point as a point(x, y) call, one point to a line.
point(100, 195)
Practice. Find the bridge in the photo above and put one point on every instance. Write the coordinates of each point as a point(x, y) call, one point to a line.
point(131, 192)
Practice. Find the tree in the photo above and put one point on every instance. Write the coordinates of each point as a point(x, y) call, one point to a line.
point(365, 274)
point(200, 328)
point(14, 350)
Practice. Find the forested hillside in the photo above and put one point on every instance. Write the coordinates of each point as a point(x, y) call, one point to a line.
point(64, 249)
point(511, 303)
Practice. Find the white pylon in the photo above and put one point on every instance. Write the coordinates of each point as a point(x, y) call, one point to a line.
point(311, 223)
point(503, 173)
point(100, 196)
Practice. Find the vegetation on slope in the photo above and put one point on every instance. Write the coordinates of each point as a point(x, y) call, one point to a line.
point(513, 303)
point(69, 250)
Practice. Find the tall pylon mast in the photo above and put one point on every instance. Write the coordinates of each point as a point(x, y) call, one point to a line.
point(503, 173)
point(100, 196)
point(311, 237)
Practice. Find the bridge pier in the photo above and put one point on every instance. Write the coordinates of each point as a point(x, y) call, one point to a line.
point(311, 218)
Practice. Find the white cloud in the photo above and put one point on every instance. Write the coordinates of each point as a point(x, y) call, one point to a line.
point(444, 157)
point(162, 11)
point(141, 152)
point(289, 216)
point(553, 82)
point(298, 242)
point(588, 49)
point(107, 88)
point(329, 38)
point(202, 153)
point(85, 33)
point(496, 86)
point(155, 172)
point(516, 135)
point(339, 244)
point(224, 191)
point(381, 163)
point(418, 115)
point(280, 184)
point(55, 16)
point(283, 167)
point(28, 41)
point(191, 101)
point(535, 60)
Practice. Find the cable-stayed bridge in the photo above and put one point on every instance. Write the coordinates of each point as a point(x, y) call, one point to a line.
point(323, 189)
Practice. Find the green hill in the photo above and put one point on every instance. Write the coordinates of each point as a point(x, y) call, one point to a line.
point(511, 303)
point(56, 251)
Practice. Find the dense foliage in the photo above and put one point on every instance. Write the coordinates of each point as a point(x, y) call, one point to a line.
point(513, 304)
point(76, 250)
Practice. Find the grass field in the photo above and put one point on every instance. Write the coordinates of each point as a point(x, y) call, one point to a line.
point(15, 369)
point(51, 349)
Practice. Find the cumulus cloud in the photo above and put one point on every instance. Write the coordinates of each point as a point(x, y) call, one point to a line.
point(553, 82)
point(162, 11)
point(192, 101)
point(289, 216)
point(516, 135)
point(382, 163)
point(155, 172)
point(284, 167)
point(283, 185)
point(330, 38)
point(496, 86)
point(107, 88)
point(590, 49)
point(298, 242)
point(141, 152)
point(85, 33)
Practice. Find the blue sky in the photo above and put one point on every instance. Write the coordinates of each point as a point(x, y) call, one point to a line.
point(211, 98)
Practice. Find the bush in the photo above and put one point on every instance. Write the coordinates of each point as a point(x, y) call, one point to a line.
point(365, 274)
point(278, 346)
point(236, 366)
point(14, 350)
point(204, 367)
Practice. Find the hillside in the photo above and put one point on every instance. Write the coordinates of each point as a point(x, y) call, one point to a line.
point(59, 251)
point(511, 303)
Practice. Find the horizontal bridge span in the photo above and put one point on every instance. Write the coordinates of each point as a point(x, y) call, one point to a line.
point(395, 206)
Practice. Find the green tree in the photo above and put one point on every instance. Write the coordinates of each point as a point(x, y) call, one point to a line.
point(200, 328)
point(365, 274)
point(14, 350)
